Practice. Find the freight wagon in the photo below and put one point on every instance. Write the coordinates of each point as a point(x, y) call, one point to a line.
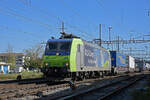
point(139, 64)
point(130, 61)
point(75, 58)
point(118, 62)
point(147, 65)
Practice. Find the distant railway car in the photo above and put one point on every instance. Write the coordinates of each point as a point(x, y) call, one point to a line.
point(139, 64)
point(130, 61)
point(118, 62)
point(75, 58)
point(147, 65)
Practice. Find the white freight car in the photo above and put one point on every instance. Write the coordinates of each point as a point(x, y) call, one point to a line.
point(131, 63)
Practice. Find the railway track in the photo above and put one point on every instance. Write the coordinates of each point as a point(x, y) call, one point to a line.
point(23, 81)
point(9, 91)
point(103, 92)
point(55, 90)
point(86, 85)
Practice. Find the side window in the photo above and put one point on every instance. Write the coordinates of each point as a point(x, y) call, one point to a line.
point(78, 48)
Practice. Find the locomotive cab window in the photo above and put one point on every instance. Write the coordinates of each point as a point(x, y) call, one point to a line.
point(51, 46)
point(58, 46)
point(65, 46)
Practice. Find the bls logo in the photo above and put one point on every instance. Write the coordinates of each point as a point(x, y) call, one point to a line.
point(122, 60)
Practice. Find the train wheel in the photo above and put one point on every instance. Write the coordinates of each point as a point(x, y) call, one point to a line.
point(86, 75)
point(73, 76)
point(82, 75)
point(101, 74)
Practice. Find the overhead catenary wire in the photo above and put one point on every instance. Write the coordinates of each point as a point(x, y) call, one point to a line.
point(20, 31)
point(26, 2)
point(13, 13)
point(10, 11)
point(78, 14)
point(58, 18)
point(12, 30)
point(99, 3)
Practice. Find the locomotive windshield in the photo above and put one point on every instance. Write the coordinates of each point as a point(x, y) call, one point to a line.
point(64, 46)
point(53, 47)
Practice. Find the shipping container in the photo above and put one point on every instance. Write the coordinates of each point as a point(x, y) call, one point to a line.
point(139, 64)
point(118, 62)
point(117, 59)
point(130, 62)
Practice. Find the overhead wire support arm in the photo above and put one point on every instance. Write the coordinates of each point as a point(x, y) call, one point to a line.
point(125, 41)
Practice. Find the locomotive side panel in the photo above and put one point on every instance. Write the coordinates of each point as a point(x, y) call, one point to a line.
point(106, 59)
point(75, 55)
point(94, 58)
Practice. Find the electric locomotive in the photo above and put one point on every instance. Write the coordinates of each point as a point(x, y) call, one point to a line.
point(71, 57)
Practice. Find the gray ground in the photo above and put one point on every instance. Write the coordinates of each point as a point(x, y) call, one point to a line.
point(126, 94)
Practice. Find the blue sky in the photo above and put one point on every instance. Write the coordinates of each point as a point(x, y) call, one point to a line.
point(22, 25)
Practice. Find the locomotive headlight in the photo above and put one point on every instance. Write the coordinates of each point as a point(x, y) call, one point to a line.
point(66, 64)
point(46, 64)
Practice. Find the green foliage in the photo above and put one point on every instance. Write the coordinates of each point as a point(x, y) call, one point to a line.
point(31, 74)
point(34, 56)
point(12, 60)
point(11, 57)
point(1, 60)
point(25, 75)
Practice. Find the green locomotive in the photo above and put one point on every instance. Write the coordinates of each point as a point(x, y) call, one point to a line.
point(75, 58)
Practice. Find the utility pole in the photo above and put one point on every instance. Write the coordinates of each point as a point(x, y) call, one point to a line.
point(109, 29)
point(148, 13)
point(130, 51)
point(146, 49)
point(63, 28)
point(100, 35)
point(118, 44)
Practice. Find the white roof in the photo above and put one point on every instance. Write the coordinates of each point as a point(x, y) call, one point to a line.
point(3, 63)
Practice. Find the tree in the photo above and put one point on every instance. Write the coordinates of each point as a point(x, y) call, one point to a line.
point(11, 57)
point(34, 56)
point(1, 60)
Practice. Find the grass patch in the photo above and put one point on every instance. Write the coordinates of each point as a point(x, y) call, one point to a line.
point(25, 74)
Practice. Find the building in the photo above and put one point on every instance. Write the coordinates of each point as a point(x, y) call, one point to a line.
point(19, 58)
point(4, 68)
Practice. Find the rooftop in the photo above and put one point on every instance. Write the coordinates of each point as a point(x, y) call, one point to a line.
point(14, 54)
point(3, 63)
